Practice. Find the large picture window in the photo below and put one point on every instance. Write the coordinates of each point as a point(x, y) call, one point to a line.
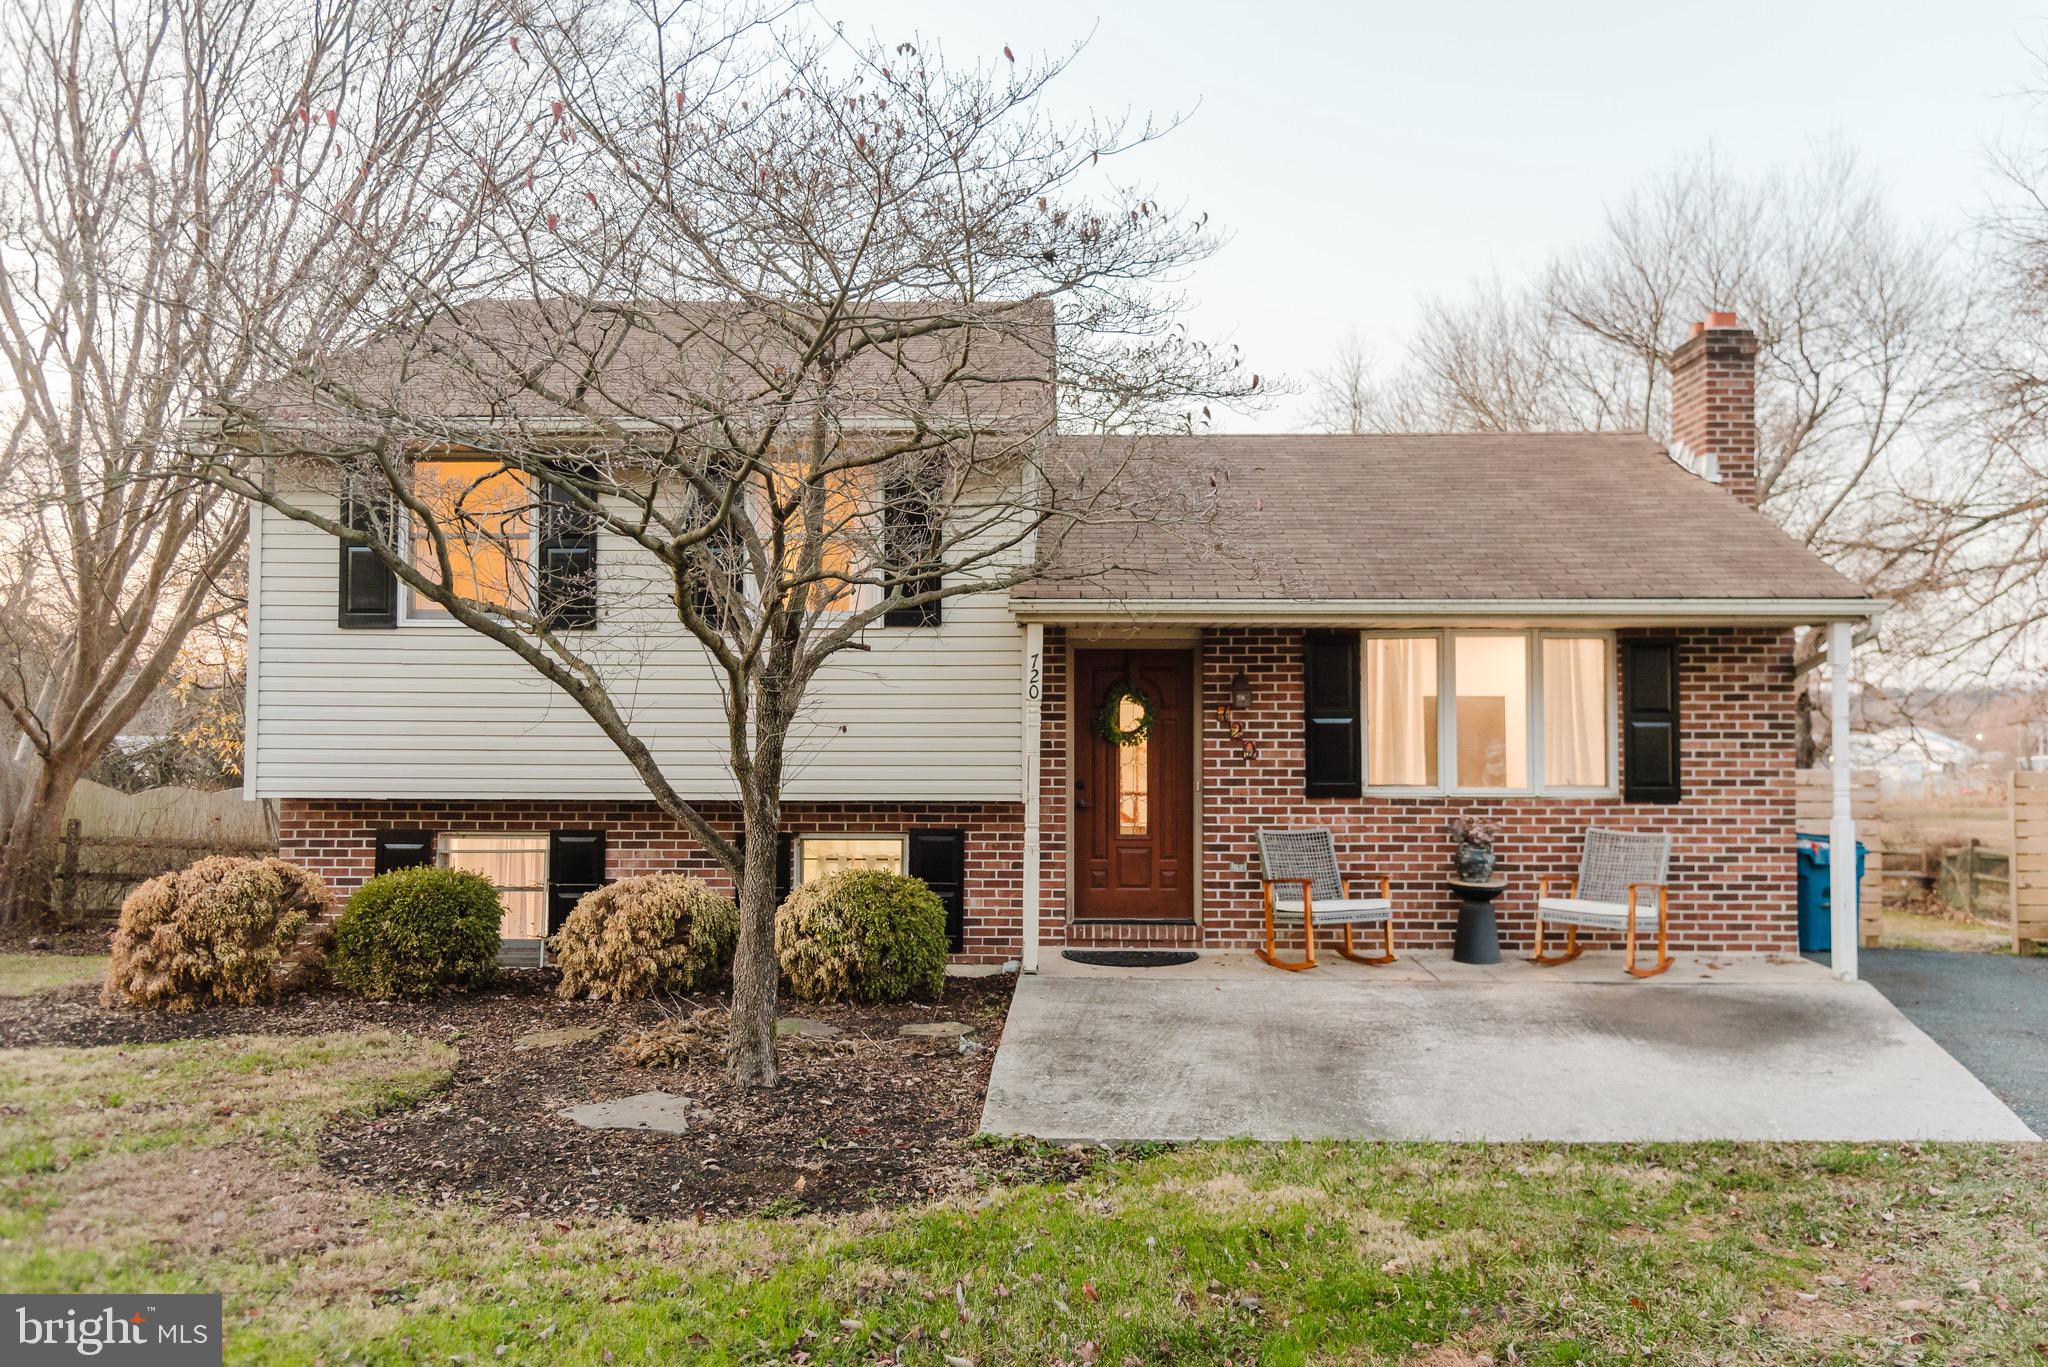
point(1529, 711)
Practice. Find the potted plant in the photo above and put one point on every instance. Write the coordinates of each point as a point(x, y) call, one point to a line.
point(1474, 859)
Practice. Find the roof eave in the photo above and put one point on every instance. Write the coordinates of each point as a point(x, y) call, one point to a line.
point(1606, 612)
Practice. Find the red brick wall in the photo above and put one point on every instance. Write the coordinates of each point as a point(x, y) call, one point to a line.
point(1733, 872)
point(1055, 787)
point(335, 838)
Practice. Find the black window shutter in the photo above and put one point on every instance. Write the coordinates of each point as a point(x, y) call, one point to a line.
point(369, 588)
point(404, 850)
point(567, 557)
point(575, 867)
point(785, 866)
point(940, 859)
point(909, 543)
point(1330, 727)
point(1649, 721)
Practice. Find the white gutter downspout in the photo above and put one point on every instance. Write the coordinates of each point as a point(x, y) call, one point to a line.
point(1034, 691)
point(1843, 919)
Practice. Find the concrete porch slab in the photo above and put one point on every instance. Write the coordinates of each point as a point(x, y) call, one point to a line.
point(1720, 1047)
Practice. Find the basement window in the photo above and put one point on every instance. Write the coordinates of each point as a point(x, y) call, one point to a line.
point(819, 856)
point(517, 866)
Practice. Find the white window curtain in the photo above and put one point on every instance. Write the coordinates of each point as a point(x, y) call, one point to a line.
point(1401, 712)
point(1575, 681)
point(1491, 684)
point(826, 855)
point(517, 865)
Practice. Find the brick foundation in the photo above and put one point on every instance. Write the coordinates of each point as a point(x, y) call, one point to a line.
point(335, 837)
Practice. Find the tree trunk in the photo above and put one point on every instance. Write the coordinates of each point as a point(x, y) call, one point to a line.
point(750, 1035)
point(1806, 745)
point(32, 840)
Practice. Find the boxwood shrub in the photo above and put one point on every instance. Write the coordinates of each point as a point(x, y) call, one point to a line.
point(413, 932)
point(862, 935)
point(661, 933)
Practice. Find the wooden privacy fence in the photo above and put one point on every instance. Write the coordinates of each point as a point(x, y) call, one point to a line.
point(1816, 808)
point(95, 874)
point(2027, 801)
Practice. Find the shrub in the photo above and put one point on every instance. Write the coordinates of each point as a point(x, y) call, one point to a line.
point(862, 935)
point(674, 1040)
point(224, 931)
point(411, 932)
point(661, 933)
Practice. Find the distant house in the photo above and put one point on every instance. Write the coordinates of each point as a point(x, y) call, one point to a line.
point(1551, 631)
point(1915, 758)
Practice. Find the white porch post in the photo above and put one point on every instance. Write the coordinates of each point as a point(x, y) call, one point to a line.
point(1033, 691)
point(1843, 926)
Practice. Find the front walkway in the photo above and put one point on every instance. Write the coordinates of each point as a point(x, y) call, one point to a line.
point(1718, 1048)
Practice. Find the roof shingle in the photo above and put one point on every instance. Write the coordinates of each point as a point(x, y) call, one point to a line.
point(1474, 517)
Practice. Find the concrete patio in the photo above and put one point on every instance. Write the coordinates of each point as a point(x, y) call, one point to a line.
point(1717, 1048)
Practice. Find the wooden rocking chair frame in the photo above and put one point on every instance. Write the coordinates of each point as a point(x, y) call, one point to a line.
point(1270, 953)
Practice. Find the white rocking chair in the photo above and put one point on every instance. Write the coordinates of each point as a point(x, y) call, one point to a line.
point(1615, 869)
point(1298, 870)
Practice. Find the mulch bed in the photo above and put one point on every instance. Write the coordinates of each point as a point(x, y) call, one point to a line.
point(862, 1119)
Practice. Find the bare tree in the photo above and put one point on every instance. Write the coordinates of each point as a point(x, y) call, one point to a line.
point(781, 357)
point(1864, 371)
point(180, 178)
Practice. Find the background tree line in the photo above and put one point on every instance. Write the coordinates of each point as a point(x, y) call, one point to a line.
point(1899, 378)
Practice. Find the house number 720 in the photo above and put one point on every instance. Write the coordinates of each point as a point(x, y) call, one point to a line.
point(1031, 679)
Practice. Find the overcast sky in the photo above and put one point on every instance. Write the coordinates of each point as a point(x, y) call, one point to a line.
point(1369, 156)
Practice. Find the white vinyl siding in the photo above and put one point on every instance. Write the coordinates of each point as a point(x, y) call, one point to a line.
point(923, 714)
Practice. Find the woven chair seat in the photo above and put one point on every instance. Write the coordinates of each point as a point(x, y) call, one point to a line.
point(1579, 911)
point(1338, 911)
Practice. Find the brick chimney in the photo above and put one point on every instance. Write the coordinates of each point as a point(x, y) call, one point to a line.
point(1713, 404)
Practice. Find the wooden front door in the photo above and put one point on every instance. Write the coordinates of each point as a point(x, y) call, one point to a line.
point(1134, 804)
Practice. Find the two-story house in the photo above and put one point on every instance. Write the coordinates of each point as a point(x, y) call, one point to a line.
point(1551, 631)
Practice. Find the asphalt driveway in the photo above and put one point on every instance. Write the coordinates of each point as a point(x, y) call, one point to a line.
point(1989, 1010)
point(1426, 1049)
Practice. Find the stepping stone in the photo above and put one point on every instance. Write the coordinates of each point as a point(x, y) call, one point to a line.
point(936, 1030)
point(804, 1028)
point(660, 1111)
point(555, 1039)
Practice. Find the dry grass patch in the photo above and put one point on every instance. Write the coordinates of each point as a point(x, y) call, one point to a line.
point(27, 975)
point(233, 1200)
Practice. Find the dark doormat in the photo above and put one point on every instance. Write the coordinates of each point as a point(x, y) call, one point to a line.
point(1130, 958)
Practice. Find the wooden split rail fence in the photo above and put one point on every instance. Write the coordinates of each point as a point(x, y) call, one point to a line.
point(95, 873)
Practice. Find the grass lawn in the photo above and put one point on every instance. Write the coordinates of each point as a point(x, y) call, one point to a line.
point(188, 1166)
point(1905, 929)
point(1915, 823)
point(23, 975)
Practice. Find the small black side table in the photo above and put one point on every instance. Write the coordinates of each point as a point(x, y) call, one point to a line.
point(1478, 938)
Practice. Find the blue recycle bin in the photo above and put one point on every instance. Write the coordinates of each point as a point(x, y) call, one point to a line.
point(1816, 893)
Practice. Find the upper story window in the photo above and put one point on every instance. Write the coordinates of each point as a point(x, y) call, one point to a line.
point(485, 513)
point(1529, 712)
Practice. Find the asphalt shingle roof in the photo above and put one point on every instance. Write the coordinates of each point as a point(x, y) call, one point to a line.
point(1565, 516)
